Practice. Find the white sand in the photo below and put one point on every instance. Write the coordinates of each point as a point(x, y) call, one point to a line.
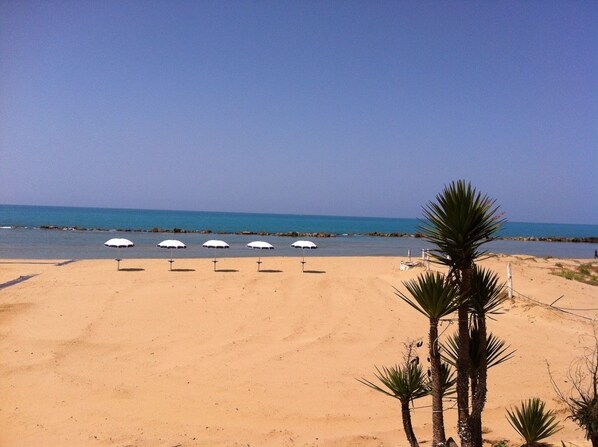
point(95, 357)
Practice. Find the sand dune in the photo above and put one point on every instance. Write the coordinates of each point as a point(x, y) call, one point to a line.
point(148, 357)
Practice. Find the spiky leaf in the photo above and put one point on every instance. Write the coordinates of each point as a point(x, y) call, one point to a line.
point(431, 295)
point(532, 421)
point(459, 222)
point(404, 383)
point(497, 350)
point(487, 292)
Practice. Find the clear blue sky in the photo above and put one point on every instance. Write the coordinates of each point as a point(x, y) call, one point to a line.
point(310, 107)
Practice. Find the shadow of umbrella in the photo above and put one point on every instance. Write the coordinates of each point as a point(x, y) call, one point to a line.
point(118, 243)
point(215, 245)
point(304, 245)
point(260, 245)
point(171, 244)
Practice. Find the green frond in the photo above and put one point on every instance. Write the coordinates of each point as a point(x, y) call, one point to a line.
point(449, 350)
point(532, 421)
point(487, 292)
point(431, 295)
point(448, 379)
point(403, 383)
point(497, 351)
point(459, 222)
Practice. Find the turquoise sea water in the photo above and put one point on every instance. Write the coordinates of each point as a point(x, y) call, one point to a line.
point(21, 237)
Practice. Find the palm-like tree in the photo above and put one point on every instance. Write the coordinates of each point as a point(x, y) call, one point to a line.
point(497, 352)
point(406, 384)
point(486, 298)
point(459, 223)
point(435, 298)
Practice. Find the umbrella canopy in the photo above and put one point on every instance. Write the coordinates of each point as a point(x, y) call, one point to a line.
point(171, 243)
point(119, 243)
point(260, 245)
point(214, 243)
point(304, 245)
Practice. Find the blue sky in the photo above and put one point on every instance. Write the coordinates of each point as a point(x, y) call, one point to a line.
point(307, 107)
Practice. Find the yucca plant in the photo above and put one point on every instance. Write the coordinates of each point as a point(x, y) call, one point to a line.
point(533, 422)
point(497, 351)
point(582, 401)
point(435, 298)
point(447, 379)
point(459, 223)
point(406, 384)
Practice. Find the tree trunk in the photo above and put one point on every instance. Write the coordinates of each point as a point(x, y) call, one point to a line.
point(438, 434)
point(407, 426)
point(475, 424)
point(463, 362)
point(480, 392)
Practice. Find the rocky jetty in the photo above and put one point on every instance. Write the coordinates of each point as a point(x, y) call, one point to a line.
point(296, 234)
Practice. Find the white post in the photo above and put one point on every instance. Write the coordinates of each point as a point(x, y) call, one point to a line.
point(423, 254)
point(409, 255)
point(509, 281)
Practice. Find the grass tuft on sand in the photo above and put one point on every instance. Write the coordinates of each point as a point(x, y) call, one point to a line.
point(586, 273)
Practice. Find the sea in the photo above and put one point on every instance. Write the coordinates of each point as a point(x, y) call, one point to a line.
point(47, 232)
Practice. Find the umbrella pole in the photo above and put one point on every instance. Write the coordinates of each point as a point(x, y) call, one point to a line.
point(170, 261)
point(303, 261)
point(259, 261)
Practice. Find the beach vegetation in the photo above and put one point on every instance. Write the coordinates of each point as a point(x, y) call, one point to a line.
point(485, 299)
point(582, 398)
point(586, 273)
point(458, 223)
point(447, 380)
point(431, 295)
point(497, 351)
point(532, 421)
point(406, 382)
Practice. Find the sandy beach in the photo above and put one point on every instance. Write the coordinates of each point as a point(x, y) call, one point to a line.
point(92, 356)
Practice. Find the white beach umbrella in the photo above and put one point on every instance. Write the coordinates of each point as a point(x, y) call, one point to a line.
point(118, 243)
point(260, 245)
point(304, 245)
point(171, 244)
point(215, 244)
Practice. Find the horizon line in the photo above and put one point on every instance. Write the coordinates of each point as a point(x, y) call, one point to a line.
point(273, 213)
